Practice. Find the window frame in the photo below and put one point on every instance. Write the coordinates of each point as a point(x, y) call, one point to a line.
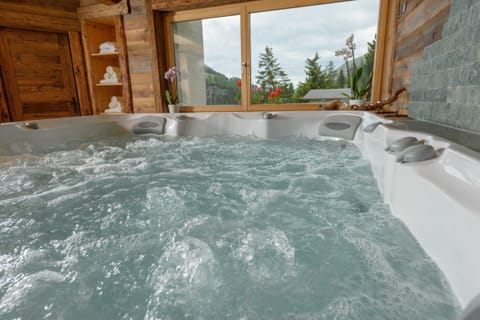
point(243, 10)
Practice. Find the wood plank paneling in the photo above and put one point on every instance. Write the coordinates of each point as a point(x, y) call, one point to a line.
point(418, 39)
point(62, 5)
point(141, 46)
point(48, 15)
point(419, 25)
point(94, 33)
point(416, 18)
point(51, 16)
point(37, 88)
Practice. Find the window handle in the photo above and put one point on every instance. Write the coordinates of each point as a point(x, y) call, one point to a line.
point(244, 67)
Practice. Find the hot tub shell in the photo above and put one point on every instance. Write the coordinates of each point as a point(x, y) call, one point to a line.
point(438, 199)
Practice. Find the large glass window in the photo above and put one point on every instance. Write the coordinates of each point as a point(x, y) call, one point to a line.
point(261, 54)
point(207, 53)
point(293, 51)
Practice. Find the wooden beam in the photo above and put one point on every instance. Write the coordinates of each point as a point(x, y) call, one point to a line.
point(54, 5)
point(385, 55)
point(8, 74)
point(86, 51)
point(102, 10)
point(36, 9)
point(78, 60)
point(4, 112)
point(109, 2)
point(123, 59)
point(174, 5)
point(155, 21)
point(36, 17)
point(31, 21)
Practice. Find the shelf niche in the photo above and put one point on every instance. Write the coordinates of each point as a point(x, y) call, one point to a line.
point(94, 33)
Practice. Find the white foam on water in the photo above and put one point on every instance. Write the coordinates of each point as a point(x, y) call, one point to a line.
point(187, 277)
point(207, 228)
point(28, 287)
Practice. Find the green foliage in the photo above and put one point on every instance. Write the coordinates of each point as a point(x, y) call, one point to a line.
point(315, 75)
point(274, 86)
point(359, 87)
point(270, 74)
point(220, 88)
point(341, 79)
point(370, 57)
point(168, 96)
point(369, 63)
point(316, 78)
point(330, 76)
point(271, 78)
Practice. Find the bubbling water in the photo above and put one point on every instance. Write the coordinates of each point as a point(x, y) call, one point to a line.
point(207, 228)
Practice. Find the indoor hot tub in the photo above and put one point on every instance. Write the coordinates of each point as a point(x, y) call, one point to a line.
point(275, 215)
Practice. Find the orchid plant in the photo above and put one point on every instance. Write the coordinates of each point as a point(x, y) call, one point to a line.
point(360, 89)
point(171, 93)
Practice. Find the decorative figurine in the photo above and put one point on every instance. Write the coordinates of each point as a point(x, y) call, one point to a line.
point(110, 76)
point(108, 47)
point(114, 105)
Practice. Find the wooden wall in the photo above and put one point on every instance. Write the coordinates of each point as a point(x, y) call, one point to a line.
point(140, 36)
point(414, 24)
point(43, 15)
point(58, 16)
point(142, 55)
point(418, 24)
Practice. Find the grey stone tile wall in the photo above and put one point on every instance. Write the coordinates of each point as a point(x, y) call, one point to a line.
point(446, 84)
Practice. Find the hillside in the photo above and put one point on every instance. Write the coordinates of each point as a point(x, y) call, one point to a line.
point(221, 89)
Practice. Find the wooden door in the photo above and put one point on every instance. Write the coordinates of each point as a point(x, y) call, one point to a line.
point(37, 73)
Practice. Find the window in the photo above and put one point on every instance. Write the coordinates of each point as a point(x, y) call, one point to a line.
point(266, 55)
point(208, 75)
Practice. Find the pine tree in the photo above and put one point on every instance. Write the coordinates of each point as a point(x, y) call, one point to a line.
point(369, 63)
point(270, 75)
point(315, 78)
point(370, 57)
point(330, 75)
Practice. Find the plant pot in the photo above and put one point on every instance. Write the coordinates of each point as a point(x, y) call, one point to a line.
point(173, 108)
point(356, 102)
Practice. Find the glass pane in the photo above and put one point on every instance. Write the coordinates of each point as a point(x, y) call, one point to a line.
point(207, 54)
point(294, 51)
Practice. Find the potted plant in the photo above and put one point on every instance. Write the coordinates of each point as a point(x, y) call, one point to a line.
point(171, 93)
point(359, 87)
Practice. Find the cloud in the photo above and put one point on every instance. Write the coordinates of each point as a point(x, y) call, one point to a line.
point(293, 34)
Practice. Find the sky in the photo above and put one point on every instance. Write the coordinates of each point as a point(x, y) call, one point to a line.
point(293, 34)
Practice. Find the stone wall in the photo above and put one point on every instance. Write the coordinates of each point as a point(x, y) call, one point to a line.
point(446, 84)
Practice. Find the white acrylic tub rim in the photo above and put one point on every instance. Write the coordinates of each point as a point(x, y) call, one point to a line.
point(438, 199)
